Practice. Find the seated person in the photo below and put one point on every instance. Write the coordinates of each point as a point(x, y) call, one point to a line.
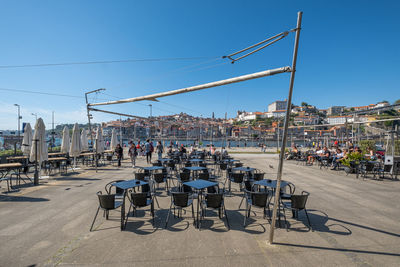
point(336, 158)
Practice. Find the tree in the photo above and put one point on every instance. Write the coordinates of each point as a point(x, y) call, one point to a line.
point(397, 102)
point(304, 104)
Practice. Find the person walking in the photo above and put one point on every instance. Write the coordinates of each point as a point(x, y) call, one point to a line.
point(119, 151)
point(148, 150)
point(159, 149)
point(133, 154)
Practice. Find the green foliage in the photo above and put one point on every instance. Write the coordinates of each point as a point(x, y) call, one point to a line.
point(365, 144)
point(353, 156)
point(10, 152)
point(304, 104)
point(397, 101)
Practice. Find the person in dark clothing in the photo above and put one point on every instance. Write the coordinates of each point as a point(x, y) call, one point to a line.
point(119, 152)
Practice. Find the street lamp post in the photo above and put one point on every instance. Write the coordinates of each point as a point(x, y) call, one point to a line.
point(19, 118)
point(34, 114)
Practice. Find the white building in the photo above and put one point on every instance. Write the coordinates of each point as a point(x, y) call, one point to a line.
point(277, 105)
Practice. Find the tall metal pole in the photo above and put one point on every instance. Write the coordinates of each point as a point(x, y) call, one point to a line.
point(287, 119)
point(89, 115)
point(52, 132)
point(120, 130)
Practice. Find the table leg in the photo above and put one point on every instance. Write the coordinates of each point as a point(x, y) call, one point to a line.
point(198, 205)
point(123, 211)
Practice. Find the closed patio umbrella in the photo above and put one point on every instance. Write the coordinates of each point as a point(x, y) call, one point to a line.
point(76, 147)
point(65, 143)
point(39, 152)
point(99, 144)
point(84, 140)
point(114, 140)
point(27, 141)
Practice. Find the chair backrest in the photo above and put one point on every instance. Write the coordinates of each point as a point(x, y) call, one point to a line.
point(188, 164)
point(214, 200)
point(258, 176)
point(387, 168)
point(184, 176)
point(156, 163)
point(181, 199)
point(259, 199)
point(145, 188)
point(237, 177)
point(201, 164)
point(299, 201)
point(204, 176)
point(171, 164)
point(290, 187)
point(139, 199)
point(223, 166)
point(108, 187)
point(158, 177)
point(187, 189)
point(238, 164)
point(212, 189)
point(106, 202)
point(140, 176)
point(369, 166)
point(248, 186)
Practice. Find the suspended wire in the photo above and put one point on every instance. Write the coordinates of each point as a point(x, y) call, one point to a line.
point(102, 62)
point(171, 72)
point(44, 93)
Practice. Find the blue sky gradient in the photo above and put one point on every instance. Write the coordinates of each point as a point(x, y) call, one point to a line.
point(348, 55)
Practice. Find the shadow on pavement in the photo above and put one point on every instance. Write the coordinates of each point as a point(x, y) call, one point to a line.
point(4, 198)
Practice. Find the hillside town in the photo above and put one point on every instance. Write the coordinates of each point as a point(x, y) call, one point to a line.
point(307, 122)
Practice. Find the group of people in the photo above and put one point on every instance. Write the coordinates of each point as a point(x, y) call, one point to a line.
point(334, 156)
point(147, 149)
point(138, 149)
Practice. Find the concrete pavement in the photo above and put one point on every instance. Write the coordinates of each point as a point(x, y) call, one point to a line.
point(356, 223)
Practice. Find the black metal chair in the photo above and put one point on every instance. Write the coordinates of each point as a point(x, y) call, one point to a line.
point(179, 200)
point(215, 201)
point(119, 193)
point(140, 176)
point(204, 176)
point(106, 203)
point(161, 178)
point(236, 177)
point(184, 177)
point(248, 188)
point(140, 200)
point(257, 176)
point(296, 204)
point(222, 168)
point(256, 199)
point(156, 163)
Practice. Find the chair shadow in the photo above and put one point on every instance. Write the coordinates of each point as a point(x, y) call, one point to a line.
point(314, 216)
point(175, 224)
point(4, 198)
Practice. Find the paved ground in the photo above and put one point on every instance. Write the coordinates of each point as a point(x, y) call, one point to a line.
point(356, 223)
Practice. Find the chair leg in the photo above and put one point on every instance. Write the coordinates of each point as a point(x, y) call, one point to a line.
point(97, 212)
point(226, 216)
point(152, 211)
point(158, 205)
point(308, 219)
point(284, 216)
point(241, 202)
point(127, 215)
point(169, 211)
point(245, 215)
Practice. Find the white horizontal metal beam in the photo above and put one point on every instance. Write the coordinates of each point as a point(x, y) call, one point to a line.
point(242, 78)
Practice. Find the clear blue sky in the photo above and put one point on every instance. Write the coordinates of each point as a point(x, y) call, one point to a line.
point(348, 54)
